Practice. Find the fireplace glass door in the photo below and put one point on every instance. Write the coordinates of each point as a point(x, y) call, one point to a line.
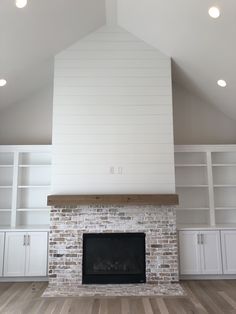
point(113, 258)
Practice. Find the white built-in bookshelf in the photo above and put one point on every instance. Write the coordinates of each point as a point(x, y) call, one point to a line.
point(206, 184)
point(25, 178)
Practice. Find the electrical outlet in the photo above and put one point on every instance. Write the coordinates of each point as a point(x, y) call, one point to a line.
point(120, 170)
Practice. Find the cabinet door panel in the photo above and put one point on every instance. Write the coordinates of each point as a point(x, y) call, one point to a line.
point(1, 252)
point(228, 241)
point(189, 253)
point(211, 252)
point(36, 254)
point(14, 257)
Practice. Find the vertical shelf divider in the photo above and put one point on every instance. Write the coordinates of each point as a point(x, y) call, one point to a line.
point(210, 189)
point(14, 189)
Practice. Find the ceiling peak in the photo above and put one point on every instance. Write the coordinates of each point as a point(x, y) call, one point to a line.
point(111, 12)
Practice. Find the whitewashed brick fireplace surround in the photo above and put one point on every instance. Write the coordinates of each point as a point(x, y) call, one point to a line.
point(68, 223)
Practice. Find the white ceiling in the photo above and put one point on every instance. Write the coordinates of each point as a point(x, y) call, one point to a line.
point(30, 37)
point(203, 50)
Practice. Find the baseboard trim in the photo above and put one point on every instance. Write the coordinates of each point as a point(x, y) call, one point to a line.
point(22, 279)
point(207, 277)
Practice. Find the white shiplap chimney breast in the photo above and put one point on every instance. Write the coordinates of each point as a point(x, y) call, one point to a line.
point(112, 117)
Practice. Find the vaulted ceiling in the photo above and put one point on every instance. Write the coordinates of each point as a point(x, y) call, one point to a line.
point(30, 37)
point(203, 50)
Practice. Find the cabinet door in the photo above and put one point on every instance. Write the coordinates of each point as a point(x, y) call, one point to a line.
point(210, 252)
point(189, 250)
point(1, 252)
point(14, 257)
point(228, 241)
point(36, 254)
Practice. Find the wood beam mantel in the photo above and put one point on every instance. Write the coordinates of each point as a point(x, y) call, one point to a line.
point(132, 199)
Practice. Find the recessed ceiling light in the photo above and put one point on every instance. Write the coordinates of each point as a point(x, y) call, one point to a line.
point(21, 3)
point(2, 82)
point(222, 83)
point(214, 12)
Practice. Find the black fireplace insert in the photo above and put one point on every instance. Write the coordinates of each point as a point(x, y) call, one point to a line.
point(114, 258)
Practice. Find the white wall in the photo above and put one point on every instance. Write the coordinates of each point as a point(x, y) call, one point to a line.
point(196, 122)
point(112, 112)
point(28, 121)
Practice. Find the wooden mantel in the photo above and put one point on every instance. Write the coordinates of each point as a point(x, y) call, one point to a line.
point(132, 199)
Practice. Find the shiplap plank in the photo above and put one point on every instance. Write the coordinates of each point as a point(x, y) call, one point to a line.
point(109, 37)
point(111, 45)
point(111, 138)
point(111, 100)
point(109, 188)
point(67, 179)
point(65, 158)
point(115, 81)
point(109, 119)
point(113, 90)
point(113, 110)
point(113, 63)
point(130, 169)
point(109, 54)
point(112, 72)
point(113, 149)
point(112, 129)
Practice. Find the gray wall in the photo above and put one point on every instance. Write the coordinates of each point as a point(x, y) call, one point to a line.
point(29, 121)
point(196, 122)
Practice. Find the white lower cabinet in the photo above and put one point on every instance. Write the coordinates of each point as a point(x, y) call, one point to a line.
point(2, 234)
point(211, 263)
point(189, 253)
point(36, 254)
point(200, 252)
point(25, 254)
point(228, 243)
point(14, 257)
